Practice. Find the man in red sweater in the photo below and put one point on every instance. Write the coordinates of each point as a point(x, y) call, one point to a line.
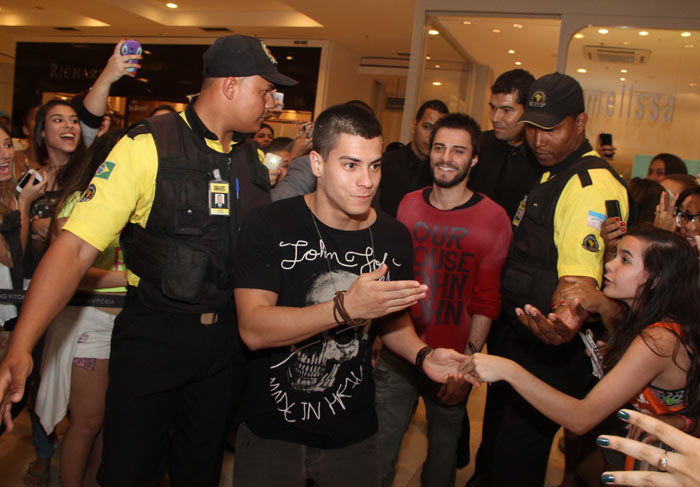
point(460, 241)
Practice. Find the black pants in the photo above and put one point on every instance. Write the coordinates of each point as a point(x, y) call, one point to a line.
point(172, 381)
point(517, 438)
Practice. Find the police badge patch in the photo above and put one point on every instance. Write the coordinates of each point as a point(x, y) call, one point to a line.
point(89, 193)
point(590, 243)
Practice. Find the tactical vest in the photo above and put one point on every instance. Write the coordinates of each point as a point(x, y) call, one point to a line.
point(184, 255)
point(530, 272)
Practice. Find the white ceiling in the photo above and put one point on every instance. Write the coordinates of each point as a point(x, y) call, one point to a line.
point(672, 67)
point(535, 42)
point(368, 27)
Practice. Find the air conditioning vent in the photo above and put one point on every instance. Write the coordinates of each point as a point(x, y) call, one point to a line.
point(215, 29)
point(617, 55)
point(66, 29)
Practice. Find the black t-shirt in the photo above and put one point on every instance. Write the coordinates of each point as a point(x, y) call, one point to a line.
point(318, 392)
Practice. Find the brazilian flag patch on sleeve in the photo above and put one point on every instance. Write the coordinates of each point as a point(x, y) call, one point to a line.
point(105, 170)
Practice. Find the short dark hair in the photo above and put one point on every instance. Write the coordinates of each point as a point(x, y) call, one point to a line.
point(280, 143)
point(343, 119)
point(687, 193)
point(159, 108)
point(460, 121)
point(266, 126)
point(510, 81)
point(361, 104)
point(672, 163)
point(437, 105)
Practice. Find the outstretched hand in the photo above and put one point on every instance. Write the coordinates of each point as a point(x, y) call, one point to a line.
point(682, 465)
point(556, 328)
point(370, 297)
point(446, 365)
point(13, 376)
point(663, 217)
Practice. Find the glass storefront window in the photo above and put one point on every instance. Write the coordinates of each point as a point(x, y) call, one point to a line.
point(642, 86)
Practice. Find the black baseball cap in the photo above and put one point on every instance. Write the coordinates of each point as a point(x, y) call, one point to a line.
point(552, 98)
point(238, 55)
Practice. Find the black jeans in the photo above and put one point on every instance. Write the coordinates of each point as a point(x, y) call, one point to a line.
point(172, 381)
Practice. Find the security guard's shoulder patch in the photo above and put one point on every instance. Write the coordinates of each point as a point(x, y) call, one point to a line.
point(105, 170)
point(590, 243)
point(89, 193)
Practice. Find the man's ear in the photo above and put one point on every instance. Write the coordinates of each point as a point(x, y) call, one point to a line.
point(316, 162)
point(229, 86)
point(413, 128)
point(475, 161)
point(581, 120)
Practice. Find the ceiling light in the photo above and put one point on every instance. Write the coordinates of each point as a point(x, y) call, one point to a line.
point(518, 26)
point(579, 36)
point(622, 79)
point(466, 22)
point(496, 31)
point(693, 84)
point(689, 45)
point(623, 70)
point(434, 32)
point(437, 83)
point(511, 51)
point(685, 34)
point(602, 31)
point(437, 65)
point(643, 33)
point(171, 5)
point(289, 58)
point(518, 63)
point(427, 57)
point(581, 70)
point(626, 43)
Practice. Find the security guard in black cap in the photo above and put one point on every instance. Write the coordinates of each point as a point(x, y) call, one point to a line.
point(556, 244)
point(175, 355)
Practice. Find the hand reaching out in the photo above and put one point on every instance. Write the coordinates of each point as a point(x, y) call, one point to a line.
point(369, 297)
point(447, 366)
point(556, 328)
point(664, 212)
point(682, 466)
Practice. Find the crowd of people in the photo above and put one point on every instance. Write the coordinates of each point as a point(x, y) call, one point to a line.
point(297, 297)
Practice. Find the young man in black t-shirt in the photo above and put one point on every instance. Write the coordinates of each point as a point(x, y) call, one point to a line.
point(316, 277)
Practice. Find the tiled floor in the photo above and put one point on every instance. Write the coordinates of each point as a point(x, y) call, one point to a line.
point(16, 452)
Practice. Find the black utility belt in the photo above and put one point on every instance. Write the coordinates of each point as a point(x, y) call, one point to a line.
point(96, 300)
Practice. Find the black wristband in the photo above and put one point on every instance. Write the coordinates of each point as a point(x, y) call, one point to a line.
point(420, 357)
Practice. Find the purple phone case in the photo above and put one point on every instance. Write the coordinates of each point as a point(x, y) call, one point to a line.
point(131, 47)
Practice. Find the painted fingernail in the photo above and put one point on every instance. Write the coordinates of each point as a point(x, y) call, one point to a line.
point(607, 478)
point(622, 223)
point(617, 219)
point(623, 230)
point(600, 441)
point(624, 415)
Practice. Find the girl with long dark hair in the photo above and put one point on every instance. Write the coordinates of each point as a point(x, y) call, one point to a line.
point(651, 358)
point(76, 353)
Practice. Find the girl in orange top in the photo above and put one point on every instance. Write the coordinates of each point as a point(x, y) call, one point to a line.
point(651, 359)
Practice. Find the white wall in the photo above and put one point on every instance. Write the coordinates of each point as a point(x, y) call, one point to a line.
point(575, 14)
point(343, 83)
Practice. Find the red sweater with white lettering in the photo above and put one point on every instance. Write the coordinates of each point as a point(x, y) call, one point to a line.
point(458, 253)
